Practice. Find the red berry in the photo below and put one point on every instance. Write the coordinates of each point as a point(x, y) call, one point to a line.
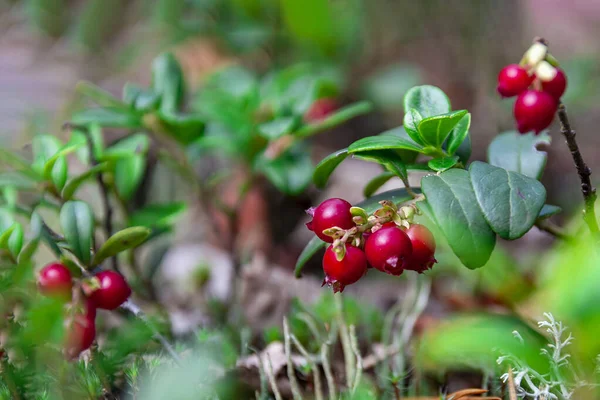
point(330, 213)
point(534, 111)
point(557, 86)
point(113, 290)
point(55, 280)
point(320, 109)
point(387, 250)
point(423, 245)
point(512, 80)
point(81, 330)
point(339, 274)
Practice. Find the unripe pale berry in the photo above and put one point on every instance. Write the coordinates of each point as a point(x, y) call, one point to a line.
point(534, 111)
point(387, 249)
point(423, 246)
point(112, 292)
point(330, 213)
point(512, 80)
point(557, 86)
point(55, 280)
point(339, 274)
point(320, 109)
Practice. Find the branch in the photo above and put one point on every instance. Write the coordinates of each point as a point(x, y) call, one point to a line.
point(584, 172)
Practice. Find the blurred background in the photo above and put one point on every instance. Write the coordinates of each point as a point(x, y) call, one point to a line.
point(378, 49)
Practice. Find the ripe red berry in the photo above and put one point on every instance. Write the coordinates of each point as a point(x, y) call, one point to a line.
point(113, 290)
point(387, 250)
point(81, 330)
point(330, 213)
point(534, 111)
point(320, 109)
point(55, 280)
point(423, 245)
point(512, 80)
point(557, 86)
point(339, 274)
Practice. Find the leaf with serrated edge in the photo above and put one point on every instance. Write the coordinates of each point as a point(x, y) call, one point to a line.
point(453, 203)
point(511, 202)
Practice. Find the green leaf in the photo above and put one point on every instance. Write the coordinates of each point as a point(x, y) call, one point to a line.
point(6, 234)
point(15, 242)
point(71, 187)
point(128, 175)
point(428, 100)
point(412, 118)
point(80, 139)
point(548, 210)
point(442, 164)
point(136, 144)
point(28, 251)
point(455, 208)
point(108, 117)
point(374, 184)
point(464, 150)
point(168, 83)
point(434, 130)
point(458, 134)
point(308, 252)
point(123, 240)
point(337, 118)
point(515, 152)
point(510, 202)
point(387, 142)
point(49, 165)
point(408, 156)
point(389, 159)
point(369, 205)
point(475, 341)
point(275, 129)
point(140, 99)
point(77, 223)
point(325, 168)
point(44, 147)
point(157, 215)
point(17, 162)
point(291, 172)
point(183, 128)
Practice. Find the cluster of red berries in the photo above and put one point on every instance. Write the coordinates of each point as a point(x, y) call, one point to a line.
point(106, 290)
point(383, 246)
point(538, 96)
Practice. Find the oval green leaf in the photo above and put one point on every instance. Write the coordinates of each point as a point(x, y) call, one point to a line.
point(387, 142)
point(123, 240)
point(475, 341)
point(157, 215)
point(412, 118)
point(510, 202)
point(454, 206)
point(442, 164)
point(515, 152)
point(434, 130)
point(74, 184)
point(128, 175)
point(108, 117)
point(167, 82)
point(459, 134)
point(427, 100)
point(548, 210)
point(325, 168)
point(15, 241)
point(77, 223)
point(133, 144)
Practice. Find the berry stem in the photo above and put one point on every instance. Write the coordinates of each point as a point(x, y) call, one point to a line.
point(584, 172)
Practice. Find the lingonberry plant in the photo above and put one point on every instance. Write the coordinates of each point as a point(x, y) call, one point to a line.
point(469, 204)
